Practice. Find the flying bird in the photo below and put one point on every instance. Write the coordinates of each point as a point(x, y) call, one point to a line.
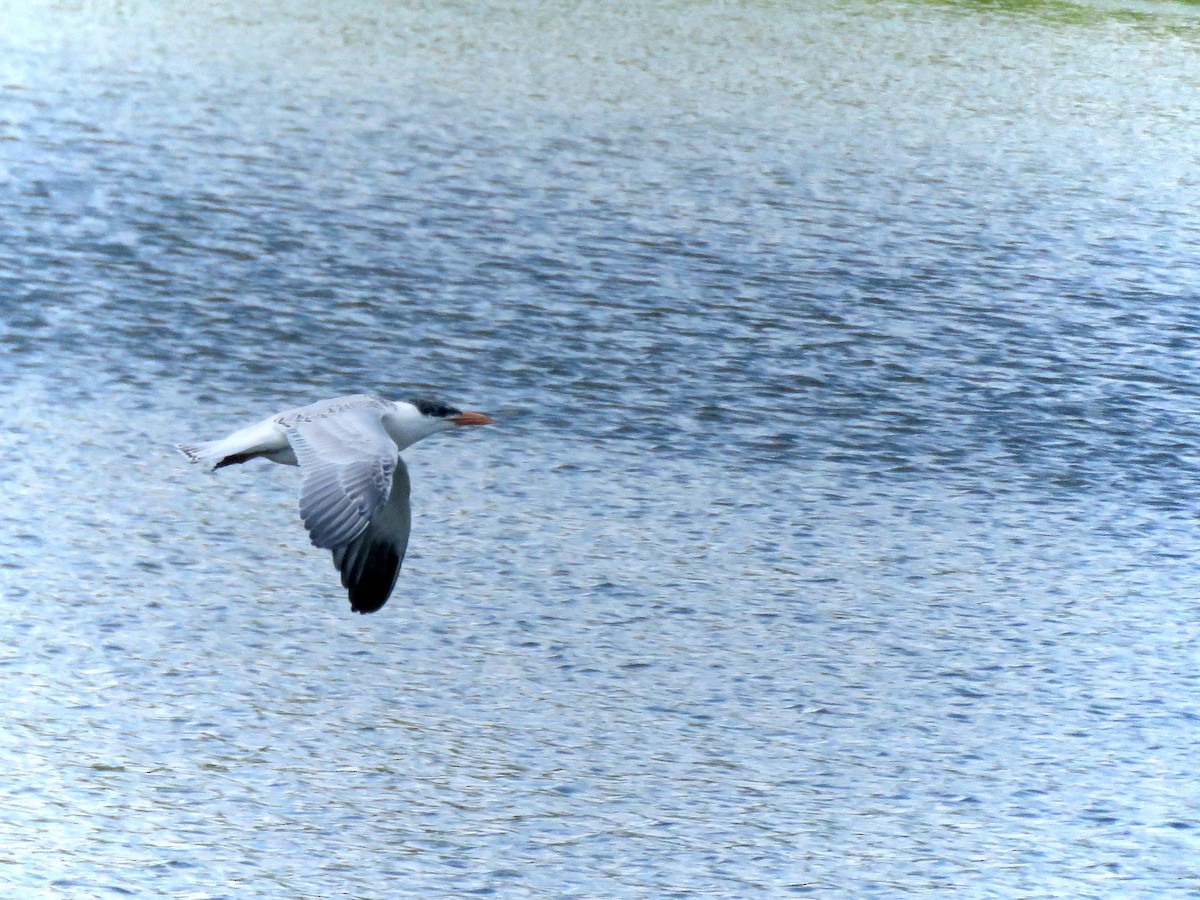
point(354, 486)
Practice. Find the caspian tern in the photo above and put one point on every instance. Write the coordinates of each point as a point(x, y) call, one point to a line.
point(354, 485)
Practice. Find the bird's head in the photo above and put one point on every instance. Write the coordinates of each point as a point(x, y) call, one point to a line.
point(418, 418)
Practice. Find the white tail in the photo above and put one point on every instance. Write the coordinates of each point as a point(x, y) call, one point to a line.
point(206, 453)
point(262, 439)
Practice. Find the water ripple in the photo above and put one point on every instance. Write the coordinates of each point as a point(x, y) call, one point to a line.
point(837, 536)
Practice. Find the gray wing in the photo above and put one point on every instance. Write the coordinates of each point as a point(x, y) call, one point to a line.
point(346, 462)
point(371, 562)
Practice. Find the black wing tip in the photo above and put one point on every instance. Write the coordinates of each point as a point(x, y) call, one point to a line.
point(366, 608)
point(370, 581)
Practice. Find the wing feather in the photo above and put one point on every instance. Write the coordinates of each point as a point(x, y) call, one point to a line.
point(354, 492)
point(346, 462)
point(370, 563)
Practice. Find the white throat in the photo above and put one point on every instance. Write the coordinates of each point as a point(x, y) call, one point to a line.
point(406, 425)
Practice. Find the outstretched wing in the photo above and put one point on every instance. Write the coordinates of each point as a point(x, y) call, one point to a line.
point(371, 562)
point(346, 462)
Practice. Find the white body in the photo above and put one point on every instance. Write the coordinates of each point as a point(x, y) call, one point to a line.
point(268, 439)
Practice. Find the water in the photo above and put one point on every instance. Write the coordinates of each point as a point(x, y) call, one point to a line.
point(837, 538)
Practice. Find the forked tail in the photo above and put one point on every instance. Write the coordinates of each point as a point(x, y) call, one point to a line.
point(201, 452)
point(212, 454)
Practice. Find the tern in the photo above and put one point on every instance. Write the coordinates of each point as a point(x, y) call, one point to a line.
point(354, 486)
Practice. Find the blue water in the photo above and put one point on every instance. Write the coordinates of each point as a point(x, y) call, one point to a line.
point(836, 538)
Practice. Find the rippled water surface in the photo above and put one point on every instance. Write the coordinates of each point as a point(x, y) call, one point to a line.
point(838, 536)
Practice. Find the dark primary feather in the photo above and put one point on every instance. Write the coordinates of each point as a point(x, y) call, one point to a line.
point(371, 562)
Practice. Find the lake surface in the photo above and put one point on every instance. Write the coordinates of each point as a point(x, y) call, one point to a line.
point(838, 536)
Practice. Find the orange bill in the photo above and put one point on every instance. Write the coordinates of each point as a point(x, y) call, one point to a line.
point(472, 418)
